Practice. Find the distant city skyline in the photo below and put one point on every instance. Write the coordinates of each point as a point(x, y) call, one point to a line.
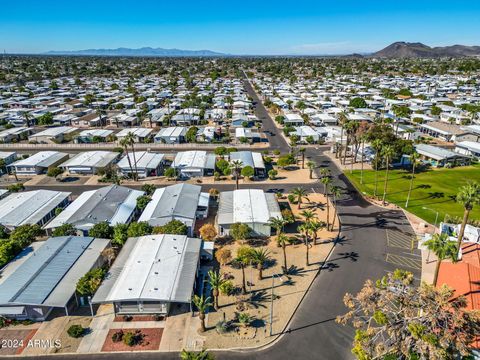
point(250, 27)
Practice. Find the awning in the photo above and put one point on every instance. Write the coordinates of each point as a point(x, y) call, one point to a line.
point(12, 310)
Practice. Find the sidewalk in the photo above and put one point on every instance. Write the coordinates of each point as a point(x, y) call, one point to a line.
point(93, 342)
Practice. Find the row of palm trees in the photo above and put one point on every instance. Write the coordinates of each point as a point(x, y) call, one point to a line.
point(246, 256)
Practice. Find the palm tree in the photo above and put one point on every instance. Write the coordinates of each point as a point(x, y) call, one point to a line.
point(216, 280)
point(236, 166)
point(282, 240)
point(326, 181)
point(260, 257)
point(315, 226)
point(302, 151)
point(308, 215)
point(443, 248)
point(311, 167)
point(131, 141)
point(468, 196)
point(202, 306)
point(388, 152)
point(192, 355)
point(277, 223)
point(377, 145)
point(243, 259)
point(336, 192)
point(305, 230)
point(124, 143)
point(26, 116)
point(342, 120)
point(324, 172)
point(300, 193)
point(413, 159)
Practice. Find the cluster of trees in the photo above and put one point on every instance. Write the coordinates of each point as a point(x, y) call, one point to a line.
point(395, 319)
point(12, 243)
point(121, 232)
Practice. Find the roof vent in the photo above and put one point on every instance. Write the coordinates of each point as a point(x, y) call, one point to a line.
point(130, 289)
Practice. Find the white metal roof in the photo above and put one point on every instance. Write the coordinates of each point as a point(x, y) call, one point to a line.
point(139, 132)
point(91, 159)
point(190, 159)
point(247, 206)
point(29, 207)
point(41, 159)
point(114, 204)
point(145, 160)
point(95, 132)
point(153, 268)
point(54, 131)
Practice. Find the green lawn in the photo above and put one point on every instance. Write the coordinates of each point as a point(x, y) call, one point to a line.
point(433, 190)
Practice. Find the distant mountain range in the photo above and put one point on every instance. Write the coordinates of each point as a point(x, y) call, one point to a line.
point(394, 51)
point(144, 51)
point(418, 50)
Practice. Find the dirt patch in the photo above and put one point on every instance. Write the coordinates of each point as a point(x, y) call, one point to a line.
point(13, 342)
point(151, 341)
point(69, 344)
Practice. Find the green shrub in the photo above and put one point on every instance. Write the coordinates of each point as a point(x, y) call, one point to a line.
point(76, 331)
point(117, 336)
point(227, 288)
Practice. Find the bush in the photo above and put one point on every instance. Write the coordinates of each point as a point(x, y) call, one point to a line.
point(208, 232)
point(223, 256)
point(173, 227)
point(292, 199)
point(117, 336)
point(54, 171)
point(240, 231)
point(227, 288)
point(101, 230)
point(25, 234)
point(136, 229)
point(64, 230)
point(89, 283)
point(149, 189)
point(272, 174)
point(15, 187)
point(248, 171)
point(120, 234)
point(142, 201)
point(76, 331)
point(133, 338)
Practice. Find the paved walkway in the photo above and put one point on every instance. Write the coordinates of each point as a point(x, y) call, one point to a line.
point(99, 327)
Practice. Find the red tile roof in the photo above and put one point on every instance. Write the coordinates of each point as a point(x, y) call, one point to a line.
point(464, 277)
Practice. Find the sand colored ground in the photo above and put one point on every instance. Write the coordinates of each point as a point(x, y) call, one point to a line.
point(288, 291)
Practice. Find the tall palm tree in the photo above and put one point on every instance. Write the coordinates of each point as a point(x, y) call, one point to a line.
point(243, 259)
point(443, 248)
point(315, 226)
point(326, 181)
point(26, 116)
point(388, 152)
point(277, 223)
point(336, 192)
point(260, 257)
point(377, 146)
point(216, 280)
point(282, 240)
point(311, 167)
point(302, 151)
point(305, 231)
point(236, 166)
point(414, 160)
point(468, 196)
point(131, 141)
point(342, 120)
point(202, 304)
point(300, 193)
point(124, 143)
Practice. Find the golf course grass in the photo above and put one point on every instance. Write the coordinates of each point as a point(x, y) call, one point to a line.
point(433, 190)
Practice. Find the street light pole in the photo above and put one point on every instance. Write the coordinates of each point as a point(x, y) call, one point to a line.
point(271, 301)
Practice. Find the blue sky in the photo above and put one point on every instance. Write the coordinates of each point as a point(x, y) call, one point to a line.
point(240, 27)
